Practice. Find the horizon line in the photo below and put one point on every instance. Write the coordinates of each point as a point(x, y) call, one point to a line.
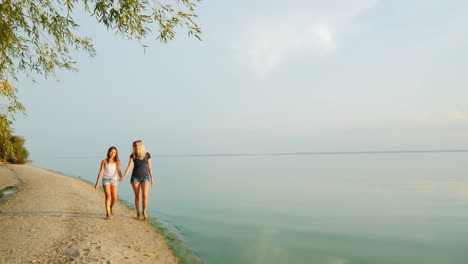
point(304, 153)
point(313, 153)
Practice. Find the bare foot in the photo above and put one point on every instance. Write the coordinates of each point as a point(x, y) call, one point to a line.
point(108, 217)
point(112, 211)
point(145, 216)
point(138, 216)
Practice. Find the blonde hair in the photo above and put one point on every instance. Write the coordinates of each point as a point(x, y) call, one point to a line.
point(141, 150)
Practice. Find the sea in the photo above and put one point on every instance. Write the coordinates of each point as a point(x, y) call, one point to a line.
point(398, 207)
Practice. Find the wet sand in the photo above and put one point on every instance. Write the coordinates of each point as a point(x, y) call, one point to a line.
point(6, 179)
point(53, 218)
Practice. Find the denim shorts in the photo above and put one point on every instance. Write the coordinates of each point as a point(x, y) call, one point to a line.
point(110, 181)
point(139, 179)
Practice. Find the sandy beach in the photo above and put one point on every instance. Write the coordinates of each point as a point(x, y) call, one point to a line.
point(53, 218)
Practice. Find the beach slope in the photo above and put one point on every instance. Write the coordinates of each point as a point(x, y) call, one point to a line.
point(53, 218)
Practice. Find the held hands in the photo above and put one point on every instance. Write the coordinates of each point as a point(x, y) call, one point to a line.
point(121, 179)
point(96, 186)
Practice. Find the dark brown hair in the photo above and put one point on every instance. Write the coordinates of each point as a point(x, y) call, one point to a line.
point(116, 158)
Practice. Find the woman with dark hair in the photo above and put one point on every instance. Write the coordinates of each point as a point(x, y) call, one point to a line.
point(142, 175)
point(110, 171)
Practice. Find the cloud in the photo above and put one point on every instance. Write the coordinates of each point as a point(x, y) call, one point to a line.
point(324, 36)
point(273, 43)
point(459, 116)
point(270, 40)
point(443, 118)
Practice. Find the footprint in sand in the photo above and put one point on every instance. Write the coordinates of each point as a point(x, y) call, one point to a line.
point(137, 249)
point(150, 255)
point(85, 252)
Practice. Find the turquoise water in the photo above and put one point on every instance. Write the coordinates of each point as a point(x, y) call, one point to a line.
point(384, 208)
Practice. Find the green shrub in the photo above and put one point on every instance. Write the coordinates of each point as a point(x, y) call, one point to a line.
point(17, 152)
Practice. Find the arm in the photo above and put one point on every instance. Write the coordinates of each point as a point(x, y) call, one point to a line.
point(119, 172)
point(130, 163)
point(101, 171)
point(150, 169)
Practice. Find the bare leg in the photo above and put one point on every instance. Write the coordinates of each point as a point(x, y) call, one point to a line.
point(136, 190)
point(145, 190)
point(114, 189)
point(107, 192)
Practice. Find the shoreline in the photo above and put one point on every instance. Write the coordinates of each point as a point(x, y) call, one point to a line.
point(54, 218)
point(7, 179)
point(176, 244)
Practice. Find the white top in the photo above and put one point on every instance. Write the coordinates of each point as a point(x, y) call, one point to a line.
point(110, 171)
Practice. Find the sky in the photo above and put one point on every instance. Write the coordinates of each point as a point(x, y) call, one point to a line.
point(268, 77)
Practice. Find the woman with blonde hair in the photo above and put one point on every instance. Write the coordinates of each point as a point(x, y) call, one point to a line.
point(109, 170)
point(142, 175)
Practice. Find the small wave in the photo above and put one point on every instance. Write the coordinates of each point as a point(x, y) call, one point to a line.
point(178, 245)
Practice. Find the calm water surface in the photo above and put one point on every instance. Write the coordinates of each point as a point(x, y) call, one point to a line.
point(385, 208)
